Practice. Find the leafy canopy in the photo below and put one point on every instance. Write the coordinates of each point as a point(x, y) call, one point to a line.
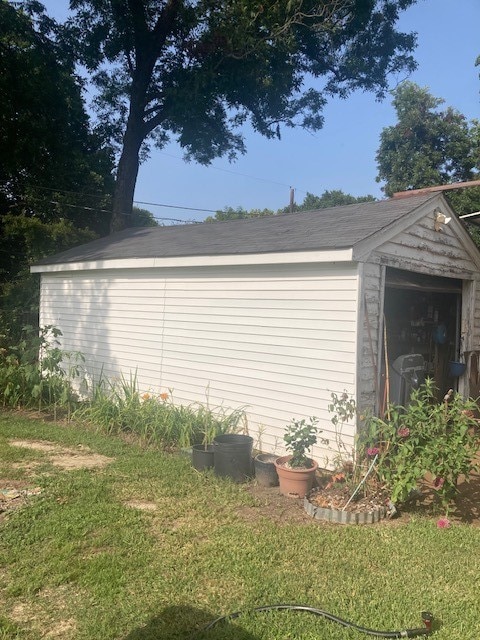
point(334, 198)
point(427, 146)
point(198, 70)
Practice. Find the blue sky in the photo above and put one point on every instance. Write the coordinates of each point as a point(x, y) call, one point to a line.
point(339, 156)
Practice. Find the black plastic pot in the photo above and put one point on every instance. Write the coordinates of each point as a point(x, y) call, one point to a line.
point(202, 458)
point(265, 471)
point(233, 456)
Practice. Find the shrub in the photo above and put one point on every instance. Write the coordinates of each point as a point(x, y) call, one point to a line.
point(36, 373)
point(426, 437)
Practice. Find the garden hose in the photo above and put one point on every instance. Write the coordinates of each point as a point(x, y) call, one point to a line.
point(427, 619)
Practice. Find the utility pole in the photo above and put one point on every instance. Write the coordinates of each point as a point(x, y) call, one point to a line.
point(292, 199)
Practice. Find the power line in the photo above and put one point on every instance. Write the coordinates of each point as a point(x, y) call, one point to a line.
point(238, 173)
point(175, 206)
point(77, 206)
point(151, 204)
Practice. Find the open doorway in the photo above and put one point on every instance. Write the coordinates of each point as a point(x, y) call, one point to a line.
point(423, 319)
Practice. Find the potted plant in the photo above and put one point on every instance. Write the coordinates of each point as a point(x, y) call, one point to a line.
point(210, 424)
point(296, 471)
point(202, 453)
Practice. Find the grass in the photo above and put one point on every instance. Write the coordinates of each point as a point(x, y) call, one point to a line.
point(78, 563)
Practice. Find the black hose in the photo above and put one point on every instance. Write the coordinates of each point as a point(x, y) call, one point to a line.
point(406, 633)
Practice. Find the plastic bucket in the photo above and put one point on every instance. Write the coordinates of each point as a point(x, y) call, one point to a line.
point(265, 471)
point(202, 458)
point(233, 456)
point(456, 369)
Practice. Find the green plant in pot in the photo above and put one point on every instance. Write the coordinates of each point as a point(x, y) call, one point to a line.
point(296, 471)
point(211, 423)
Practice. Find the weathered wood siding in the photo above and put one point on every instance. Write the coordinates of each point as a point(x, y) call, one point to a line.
point(369, 335)
point(422, 249)
point(278, 340)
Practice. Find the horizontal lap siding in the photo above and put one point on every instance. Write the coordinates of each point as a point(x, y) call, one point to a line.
point(277, 340)
point(116, 322)
point(425, 250)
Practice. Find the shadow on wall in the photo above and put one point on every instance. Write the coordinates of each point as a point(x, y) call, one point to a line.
point(81, 314)
point(186, 623)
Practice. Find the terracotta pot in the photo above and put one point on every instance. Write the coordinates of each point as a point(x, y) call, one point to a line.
point(297, 482)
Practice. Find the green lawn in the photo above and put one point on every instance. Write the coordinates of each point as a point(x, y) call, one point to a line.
point(77, 562)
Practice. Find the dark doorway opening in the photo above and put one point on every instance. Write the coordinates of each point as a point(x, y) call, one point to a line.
point(423, 316)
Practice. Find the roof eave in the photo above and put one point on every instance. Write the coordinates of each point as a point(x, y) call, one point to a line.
point(289, 257)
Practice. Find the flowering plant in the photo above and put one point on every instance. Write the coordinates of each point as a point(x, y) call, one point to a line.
point(426, 437)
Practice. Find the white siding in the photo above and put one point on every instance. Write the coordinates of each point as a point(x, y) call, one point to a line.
point(277, 339)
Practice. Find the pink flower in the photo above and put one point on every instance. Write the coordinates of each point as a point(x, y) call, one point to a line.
point(373, 451)
point(438, 482)
point(443, 523)
point(403, 432)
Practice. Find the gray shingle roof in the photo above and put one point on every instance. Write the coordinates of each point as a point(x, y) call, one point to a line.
point(333, 228)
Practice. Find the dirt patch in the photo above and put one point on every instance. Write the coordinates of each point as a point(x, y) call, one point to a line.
point(143, 505)
point(282, 510)
point(48, 615)
point(15, 494)
point(69, 459)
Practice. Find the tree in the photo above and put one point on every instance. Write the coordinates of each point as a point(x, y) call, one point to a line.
point(311, 202)
point(55, 174)
point(48, 154)
point(142, 218)
point(427, 146)
point(229, 213)
point(198, 70)
point(334, 198)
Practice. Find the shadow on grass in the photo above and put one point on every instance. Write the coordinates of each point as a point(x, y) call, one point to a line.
point(186, 623)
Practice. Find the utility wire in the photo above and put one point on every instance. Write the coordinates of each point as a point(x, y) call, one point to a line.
point(238, 173)
point(77, 206)
point(151, 204)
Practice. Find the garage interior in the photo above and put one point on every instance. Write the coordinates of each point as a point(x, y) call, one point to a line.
point(422, 316)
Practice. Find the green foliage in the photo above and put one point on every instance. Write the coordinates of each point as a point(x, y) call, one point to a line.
point(299, 437)
point(311, 202)
point(118, 406)
point(229, 213)
point(36, 373)
point(426, 437)
point(344, 410)
point(142, 218)
point(334, 198)
point(199, 71)
point(47, 150)
point(56, 175)
point(427, 146)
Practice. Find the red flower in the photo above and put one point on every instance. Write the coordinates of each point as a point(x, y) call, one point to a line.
point(443, 523)
point(403, 432)
point(373, 451)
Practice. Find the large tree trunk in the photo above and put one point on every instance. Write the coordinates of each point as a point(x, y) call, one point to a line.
point(127, 173)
